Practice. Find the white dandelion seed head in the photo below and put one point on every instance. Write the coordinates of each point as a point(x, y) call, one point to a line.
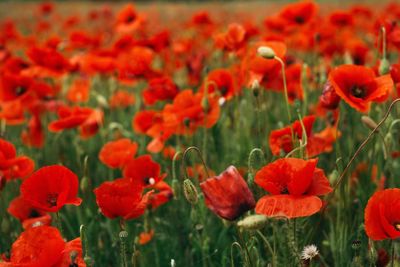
point(309, 252)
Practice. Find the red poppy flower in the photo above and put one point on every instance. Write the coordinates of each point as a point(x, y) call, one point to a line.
point(37, 246)
point(73, 247)
point(12, 166)
point(294, 185)
point(221, 81)
point(146, 237)
point(187, 112)
point(116, 153)
point(163, 193)
point(143, 120)
point(79, 91)
point(227, 194)
point(48, 58)
point(358, 86)
point(329, 99)
point(33, 136)
point(122, 198)
point(28, 215)
point(159, 89)
point(299, 13)
point(382, 215)
point(144, 170)
point(13, 86)
point(88, 120)
point(50, 188)
point(233, 39)
point(281, 139)
point(260, 68)
point(122, 99)
point(128, 19)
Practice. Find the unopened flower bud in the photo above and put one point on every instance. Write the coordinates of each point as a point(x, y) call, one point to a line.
point(84, 185)
point(384, 66)
point(370, 123)
point(253, 222)
point(190, 192)
point(266, 52)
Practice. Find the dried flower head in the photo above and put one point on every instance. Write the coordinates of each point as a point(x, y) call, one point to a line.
point(309, 252)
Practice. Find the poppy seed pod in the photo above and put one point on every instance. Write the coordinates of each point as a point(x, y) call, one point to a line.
point(190, 192)
point(266, 52)
point(384, 67)
point(227, 194)
point(370, 123)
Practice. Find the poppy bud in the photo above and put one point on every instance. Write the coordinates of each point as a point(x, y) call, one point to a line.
point(329, 99)
point(384, 67)
point(253, 222)
point(370, 123)
point(190, 192)
point(227, 194)
point(266, 52)
point(84, 185)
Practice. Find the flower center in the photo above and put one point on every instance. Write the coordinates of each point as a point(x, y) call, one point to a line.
point(397, 226)
point(52, 199)
point(357, 91)
point(299, 20)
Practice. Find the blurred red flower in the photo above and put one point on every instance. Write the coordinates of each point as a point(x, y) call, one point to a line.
point(116, 153)
point(50, 188)
point(12, 166)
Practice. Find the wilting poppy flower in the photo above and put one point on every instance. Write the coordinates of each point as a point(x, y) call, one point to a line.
point(294, 185)
point(159, 89)
point(144, 170)
point(382, 215)
point(12, 166)
point(37, 246)
point(122, 198)
point(227, 194)
point(281, 139)
point(28, 215)
point(116, 153)
point(358, 86)
point(50, 188)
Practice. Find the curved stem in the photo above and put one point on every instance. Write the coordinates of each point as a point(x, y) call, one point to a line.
point(250, 158)
point(383, 30)
point(200, 156)
point(304, 143)
point(174, 160)
point(284, 86)
point(268, 245)
point(363, 144)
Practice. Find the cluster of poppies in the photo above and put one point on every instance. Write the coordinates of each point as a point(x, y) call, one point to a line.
point(77, 74)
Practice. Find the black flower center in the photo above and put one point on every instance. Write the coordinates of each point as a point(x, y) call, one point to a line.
point(357, 91)
point(299, 19)
point(20, 90)
point(52, 199)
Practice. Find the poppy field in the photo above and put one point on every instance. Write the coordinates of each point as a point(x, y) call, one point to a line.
point(204, 135)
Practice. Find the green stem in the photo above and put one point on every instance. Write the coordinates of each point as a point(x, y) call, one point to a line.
point(285, 87)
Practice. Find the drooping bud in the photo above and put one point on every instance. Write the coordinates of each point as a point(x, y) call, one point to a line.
point(370, 123)
point(255, 87)
point(190, 192)
point(266, 52)
point(253, 222)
